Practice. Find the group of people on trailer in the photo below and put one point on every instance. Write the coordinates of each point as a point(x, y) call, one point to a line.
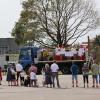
point(50, 73)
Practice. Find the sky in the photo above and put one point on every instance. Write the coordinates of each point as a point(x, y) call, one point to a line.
point(10, 13)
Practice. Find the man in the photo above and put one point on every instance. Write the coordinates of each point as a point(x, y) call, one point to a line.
point(19, 69)
point(95, 73)
point(54, 69)
point(74, 69)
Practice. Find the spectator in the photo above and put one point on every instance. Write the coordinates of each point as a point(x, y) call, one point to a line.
point(99, 73)
point(0, 75)
point(22, 78)
point(19, 69)
point(33, 79)
point(9, 75)
point(48, 75)
point(33, 68)
point(85, 71)
point(43, 75)
point(54, 69)
point(74, 69)
point(13, 74)
point(32, 72)
point(95, 73)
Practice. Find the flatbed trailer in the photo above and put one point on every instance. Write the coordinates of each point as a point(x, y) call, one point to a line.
point(64, 65)
point(29, 55)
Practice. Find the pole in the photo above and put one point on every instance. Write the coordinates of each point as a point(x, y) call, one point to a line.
point(88, 46)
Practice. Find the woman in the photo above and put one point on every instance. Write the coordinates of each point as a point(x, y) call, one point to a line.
point(85, 71)
point(13, 72)
point(48, 75)
point(9, 76)
point(43, 76)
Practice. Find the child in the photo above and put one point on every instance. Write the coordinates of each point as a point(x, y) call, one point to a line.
point(43, 74)
point(22, 78)
point(33, 79)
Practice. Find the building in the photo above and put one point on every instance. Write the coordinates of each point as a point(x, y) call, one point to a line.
point(9, 51)
point(8, 46)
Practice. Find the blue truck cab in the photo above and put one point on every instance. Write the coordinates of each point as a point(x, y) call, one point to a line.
point(27, 55)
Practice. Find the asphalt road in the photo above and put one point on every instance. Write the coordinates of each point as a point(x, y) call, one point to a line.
point(66, 92)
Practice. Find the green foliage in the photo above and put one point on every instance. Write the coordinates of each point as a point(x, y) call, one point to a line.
point(52, 22)
point(18, 33)
point(97, 40)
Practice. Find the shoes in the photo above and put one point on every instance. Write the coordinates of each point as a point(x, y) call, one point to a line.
point(93, 86)
point(87, 86)
point(59, 87)
point(97, 86)
point(77, 86)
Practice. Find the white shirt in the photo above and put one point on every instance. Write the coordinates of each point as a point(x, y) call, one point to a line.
point(32, 76)
point(22, 74)
point(54, 67)
point(81, 51)
point(19, 67)
point(69, 54)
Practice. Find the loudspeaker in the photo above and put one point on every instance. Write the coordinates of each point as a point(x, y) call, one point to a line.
point(7, 58)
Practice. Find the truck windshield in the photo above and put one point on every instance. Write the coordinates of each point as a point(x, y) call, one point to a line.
point(25, 54)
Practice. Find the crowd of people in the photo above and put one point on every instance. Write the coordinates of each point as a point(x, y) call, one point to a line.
point(94, 70)
point(16, 75)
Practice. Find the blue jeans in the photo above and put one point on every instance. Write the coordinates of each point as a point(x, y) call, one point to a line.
point(74, 77)
point(99, 78)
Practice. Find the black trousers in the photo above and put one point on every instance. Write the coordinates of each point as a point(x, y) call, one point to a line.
point(85, 79)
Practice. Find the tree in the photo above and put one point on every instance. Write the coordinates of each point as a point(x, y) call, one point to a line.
point(18, 32)
point(97, 41)
point(55, 22)
point(26, 27)
point(95, 48)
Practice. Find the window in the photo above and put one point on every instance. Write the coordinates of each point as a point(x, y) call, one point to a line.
point(25, 55)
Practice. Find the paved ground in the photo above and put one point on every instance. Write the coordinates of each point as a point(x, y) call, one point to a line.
point(66, 92)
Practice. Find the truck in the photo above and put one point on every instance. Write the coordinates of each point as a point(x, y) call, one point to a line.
point(30, 54)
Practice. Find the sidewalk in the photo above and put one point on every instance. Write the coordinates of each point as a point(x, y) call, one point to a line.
point(66, 92)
